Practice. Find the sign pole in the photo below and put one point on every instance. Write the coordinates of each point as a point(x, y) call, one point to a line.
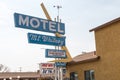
point(56, 76)
point(69, 58)
point(58, 68)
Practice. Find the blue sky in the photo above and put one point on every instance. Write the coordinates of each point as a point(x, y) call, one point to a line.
point(79, 17)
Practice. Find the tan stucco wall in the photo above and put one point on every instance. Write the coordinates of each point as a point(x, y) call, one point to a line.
point(108, 48)
point(80, 68)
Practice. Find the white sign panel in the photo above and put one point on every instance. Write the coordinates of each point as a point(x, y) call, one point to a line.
point(52, 53)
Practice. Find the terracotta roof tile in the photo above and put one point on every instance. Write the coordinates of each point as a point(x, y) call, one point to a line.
point(85, 56)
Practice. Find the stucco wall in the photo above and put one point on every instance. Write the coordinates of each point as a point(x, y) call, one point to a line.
point(108, 48)
point(80, 68)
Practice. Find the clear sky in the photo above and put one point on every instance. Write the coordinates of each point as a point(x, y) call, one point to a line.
point(79, 17)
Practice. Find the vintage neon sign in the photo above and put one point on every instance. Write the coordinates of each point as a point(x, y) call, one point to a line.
point(53, 53)
point(46, 40)
point(39, 24)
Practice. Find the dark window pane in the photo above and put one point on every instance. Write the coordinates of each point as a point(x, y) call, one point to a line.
point(89, 75)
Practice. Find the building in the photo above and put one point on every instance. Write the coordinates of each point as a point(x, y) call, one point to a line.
point(102, 64)
point(19, 76)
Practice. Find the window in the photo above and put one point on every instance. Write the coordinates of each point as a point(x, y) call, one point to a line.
point(73, 76)
point(89, 75)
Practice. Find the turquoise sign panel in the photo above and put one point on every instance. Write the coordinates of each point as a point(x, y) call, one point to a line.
point(45, 39)
point(60, 64)
point(39, 24)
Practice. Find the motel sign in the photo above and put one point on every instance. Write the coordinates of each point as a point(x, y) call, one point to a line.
point(46, 40)
point(53, 53)
point(34, 23)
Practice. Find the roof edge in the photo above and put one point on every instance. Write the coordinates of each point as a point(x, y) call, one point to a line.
point(106, 24)
point(84, 61)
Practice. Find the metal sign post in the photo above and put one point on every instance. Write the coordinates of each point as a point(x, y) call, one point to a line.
point(58, 7)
